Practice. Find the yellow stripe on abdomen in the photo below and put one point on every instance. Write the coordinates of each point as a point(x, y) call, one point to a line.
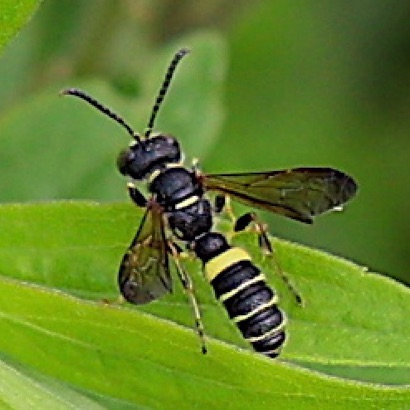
point(241, 287)
point(224, 260)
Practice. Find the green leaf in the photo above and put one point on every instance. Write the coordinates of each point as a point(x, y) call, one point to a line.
point(58, 263)
point(13, 15)
point(353, 321)
point(37, 391)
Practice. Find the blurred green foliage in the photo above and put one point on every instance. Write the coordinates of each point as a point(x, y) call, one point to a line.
point(297, 84)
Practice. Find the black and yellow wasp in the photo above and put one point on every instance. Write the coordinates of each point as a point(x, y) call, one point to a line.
point(179, 212)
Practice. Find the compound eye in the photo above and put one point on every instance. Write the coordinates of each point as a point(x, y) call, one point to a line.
point(124, 159)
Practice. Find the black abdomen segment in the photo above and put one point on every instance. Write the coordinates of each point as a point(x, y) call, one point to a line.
point(242, 288)
point(252, 305)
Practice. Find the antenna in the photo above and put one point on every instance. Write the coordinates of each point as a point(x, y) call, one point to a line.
point(90, 100)
point(164, 88)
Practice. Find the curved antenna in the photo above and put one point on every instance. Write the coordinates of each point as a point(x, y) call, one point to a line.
point(164, 88)
point(90, 100)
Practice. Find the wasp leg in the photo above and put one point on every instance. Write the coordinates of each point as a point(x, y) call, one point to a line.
point(262, 230)
point(136, 195)
point(219, 204)
point(224, 212)
point(195, 166)
point(223, 204)
point(187, 284)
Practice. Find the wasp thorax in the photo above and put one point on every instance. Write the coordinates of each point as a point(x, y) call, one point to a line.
point(141, 159)
point(210, 245)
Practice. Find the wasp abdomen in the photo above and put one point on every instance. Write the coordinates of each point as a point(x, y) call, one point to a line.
point(252, 305)
point(243, 290)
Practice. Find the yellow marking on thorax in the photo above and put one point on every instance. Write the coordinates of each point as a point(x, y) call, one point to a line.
point(155, 173)
point(153, 176)
point(187, 202)
point(224, 260)
point(174, 165)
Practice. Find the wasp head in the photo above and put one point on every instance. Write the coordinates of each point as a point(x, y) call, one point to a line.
point(143, 157)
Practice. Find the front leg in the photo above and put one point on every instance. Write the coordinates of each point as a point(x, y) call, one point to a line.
point(136, 196)
point(186, 281)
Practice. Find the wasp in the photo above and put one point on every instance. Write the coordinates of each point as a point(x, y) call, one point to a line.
point(179, 212)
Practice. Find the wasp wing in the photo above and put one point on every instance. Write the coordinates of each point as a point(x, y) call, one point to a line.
point(299, 193)
point(144, 273)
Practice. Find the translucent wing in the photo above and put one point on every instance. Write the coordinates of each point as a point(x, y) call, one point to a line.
point(299, 193)
point(144, 273)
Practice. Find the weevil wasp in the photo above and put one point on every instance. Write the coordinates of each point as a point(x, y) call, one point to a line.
point(178, 211)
